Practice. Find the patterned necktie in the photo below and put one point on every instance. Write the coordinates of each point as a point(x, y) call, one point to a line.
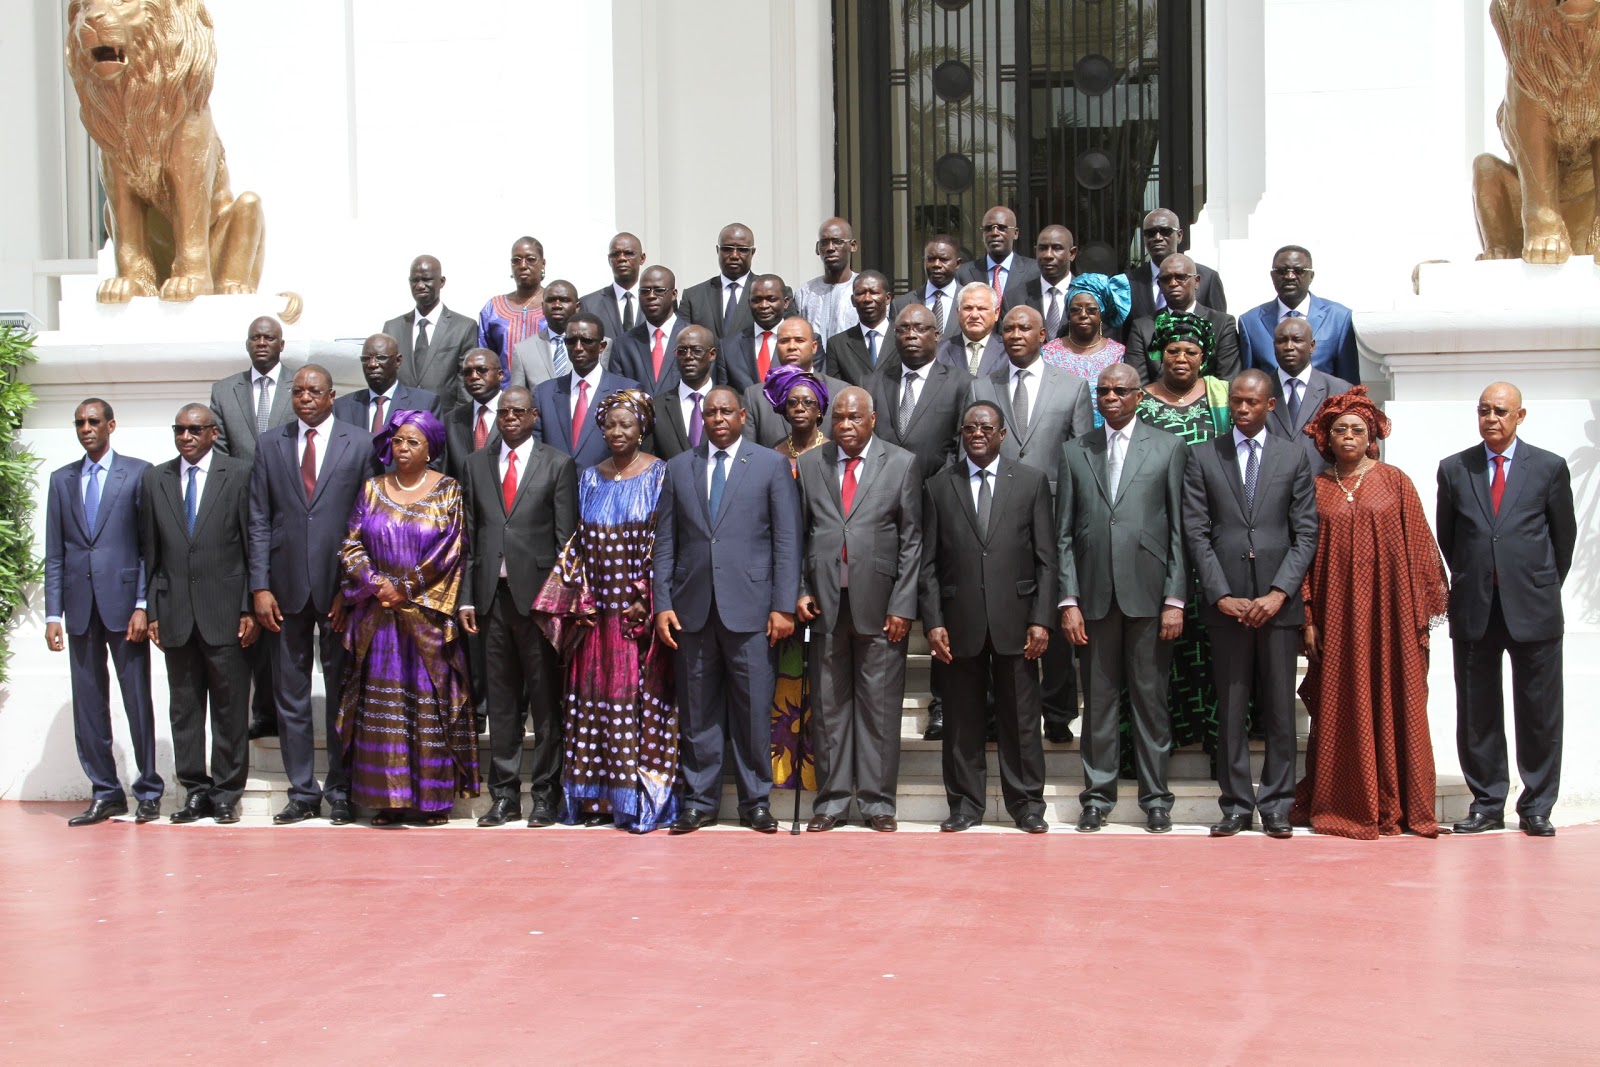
point(1114, 463)
point(974, 357)
point(419, 349)
point(377, 412)
point(308, 465)
point(1000, 302)
point(191, 500)
point(480, 432)
point(938, 309)
point(263, 405)
point(658, 352)
point(1497, 488)
point(719, 480)
point(985, 503)
point(1294, 314)
point(627, 311)
point(580, 412)
point(733, 305)
point(91, 497)
point(558, 356)
point(1019, 403)
point(1252, 469)
point(1294, 402)
point(697, 420)
point(1052, 318)
point(764, 357)
point(872, 347)
point(508, 484)
point(908, 403)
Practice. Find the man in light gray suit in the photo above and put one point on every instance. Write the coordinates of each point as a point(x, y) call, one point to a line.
point(863, 494)
point(542, 357)
point(1122, 583)
point(977, 348)
point(432, 338)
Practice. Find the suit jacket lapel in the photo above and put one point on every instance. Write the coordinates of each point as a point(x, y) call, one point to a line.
point(333, 447)
point(1271, 454)
point(1228, 454)
point(563, 411)
point(170, 487)
point(1002, 493)
point(835, 492)
point(75, 498)
point(115, 481)
point(1138, 452)
point(961, 484)
point(1041, 400)
point(701, 486)
point(1514, 481)
point(735, 477)
point(522, 476)
point(216, 482)
point(867, 471)
point(247, 407)
point(1099, 460)
point(1316, 391)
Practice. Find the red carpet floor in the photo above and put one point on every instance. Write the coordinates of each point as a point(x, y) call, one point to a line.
point(312, 944)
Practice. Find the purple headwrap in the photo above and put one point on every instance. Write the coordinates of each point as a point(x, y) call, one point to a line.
point(425, 421)
point(781, 381)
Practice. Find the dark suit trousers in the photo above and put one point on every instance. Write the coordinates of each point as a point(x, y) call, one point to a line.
point(858, 686)
point(198, 673)
point(1060, 692)
point(297, 732)
point(259, 658)
point(1124, 651)
point(1536, 703)
point(1259, 665)
point(1016, 712)
point(524, 667)
point(725, 683)
point(91, 708)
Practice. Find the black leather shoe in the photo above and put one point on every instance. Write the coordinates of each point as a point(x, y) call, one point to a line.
point(196, 806)
point(502, 811)
point(1477, 822)
point(1158, 821)
point(884, 824)
point(297, 811)
point(760, 820)
point(1033, 824)
point(821, 824)
point(541, 814)
point(1091, 820)
point(693, 819)
point(340, 813)
point(99, 811)
point(935, 730)
point(1230, 825)
point(1058, 733)
point(225, 814)
point(597, 818)
point(260, 729)
point(1276, 825)
point(147, 811)
point(957, 823)
point(1536, 826)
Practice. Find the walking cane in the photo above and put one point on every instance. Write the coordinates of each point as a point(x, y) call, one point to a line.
point(805, 701)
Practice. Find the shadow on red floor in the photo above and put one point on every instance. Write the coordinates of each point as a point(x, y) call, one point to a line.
point(162, 943)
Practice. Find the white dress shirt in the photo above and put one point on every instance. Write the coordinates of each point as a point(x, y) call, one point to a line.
point(201, 470)
point(594, 389)
point(432, 319)
point(618, 293)
point(882, 332)
point(844, 567)
point(1304, 378)
point(687, 405)
point(1304, 310)
point(1030, 384)
point(272, 386)
point(913, 380)
point(322, 443)
point(1239, 440)
point(711, 461)
point(489, 409)
point(973, 482)
point(1510, 449)
point(523, 451)
point(372, 403)
point(1005, 271)
point(949, 305)
point(1060, 288)
point(738, 294)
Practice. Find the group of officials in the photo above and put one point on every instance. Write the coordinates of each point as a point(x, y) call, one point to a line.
point(1016, 509)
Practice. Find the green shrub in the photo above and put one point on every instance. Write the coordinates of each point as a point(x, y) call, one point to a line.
point(20, 569)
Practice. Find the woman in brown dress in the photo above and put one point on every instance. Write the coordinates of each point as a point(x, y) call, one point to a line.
point(1374, 590)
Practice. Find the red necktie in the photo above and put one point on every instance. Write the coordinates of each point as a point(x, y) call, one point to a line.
point(480, 432)
point(377, 414)
point(847, 493)
point(580, 412)
point(764, 357)
point(508, 484)
point(308, 465)
point(999, 294)
point(658, 352)
point(1497, 488)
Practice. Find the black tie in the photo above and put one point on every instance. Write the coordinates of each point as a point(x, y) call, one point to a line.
point(1294, 402)
point(733, 305)
point(420, 349)
point(627, 312)
point(985, 503)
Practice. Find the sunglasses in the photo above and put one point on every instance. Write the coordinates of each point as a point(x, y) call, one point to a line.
point(1115, 390)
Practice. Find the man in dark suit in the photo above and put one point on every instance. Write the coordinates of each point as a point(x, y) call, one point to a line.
point(1122, 583)
point(988, 601)
point(645, 353)
point(566, 404)
point(977, 349)
point(680, 423)
point(747, 355)
point(303, 485)
point(617, 306)
point(1163, 235)
point(727, 579)
point(1047, 294)
point(472, 426)
point(1004, 269)
point(384, 395)
point(722, 304)
point(868, 346)
point(196, 527)
point(521, 500)
point(862, 494)
point(1332, 324)
point(1178, 281)
point(940, 259)
point(796, 346)
point(543, 356)
point(94, 604)
point(1298, 388)
point(1250, 521)
point(431, 337)
point(1507, 530)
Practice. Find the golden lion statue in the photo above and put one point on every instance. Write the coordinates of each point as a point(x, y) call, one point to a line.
point(1542, 204)
point(143, 71)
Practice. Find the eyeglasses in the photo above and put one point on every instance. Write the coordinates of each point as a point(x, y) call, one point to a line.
point(517, 413)
point(480, 372)
point(832, 242)
point(367, 360)
point(1168, 279)
point(1284, 272)
point(191, 431)
point(692, 350)
point(306, 390)
point(517, 261)
point(1115, 390)
point(995, 227)
point(1160, 231)
point(802, 402)
point(736, 250)
point(1501, 412)
point(973, 429)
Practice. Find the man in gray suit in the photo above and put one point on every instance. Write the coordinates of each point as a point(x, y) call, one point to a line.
point(796, 346)
point(977, 350)
point(1299, 389)
point(544, 356)
point(1119, 502)
point(431, 337)
point(1250, 521)
point(864, 494)
point(940, 259)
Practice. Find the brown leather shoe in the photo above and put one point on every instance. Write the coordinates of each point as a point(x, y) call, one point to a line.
point(821, 823)
point(884, 824)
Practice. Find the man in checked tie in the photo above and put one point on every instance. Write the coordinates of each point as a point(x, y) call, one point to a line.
point(1250, 522)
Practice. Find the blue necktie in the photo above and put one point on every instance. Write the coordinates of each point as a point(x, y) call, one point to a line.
point(91, 497)
point(559, 357)
point(1252, 468)
point(191, 500)
point(719, 479)
point(872, 346)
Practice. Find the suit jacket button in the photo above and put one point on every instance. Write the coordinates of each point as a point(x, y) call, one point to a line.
point(713, 540)
point(1113, 522)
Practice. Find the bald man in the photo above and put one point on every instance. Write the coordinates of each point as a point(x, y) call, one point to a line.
point(1180, 281)
point(619, 305)
point(385, 394)
point(432, 338)
point(722, 304)
point(1162, 234)
point(825, 301)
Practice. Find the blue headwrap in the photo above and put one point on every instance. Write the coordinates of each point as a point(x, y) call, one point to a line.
point(425, 421)
point(1110, 291)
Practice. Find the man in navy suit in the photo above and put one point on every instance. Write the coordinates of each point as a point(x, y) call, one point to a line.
point(727, 580)
point(94, 586)
point(566, 404)
point(647, 352)
point(302, 488)
point(384, 395)
point(1004, 269)
point(1331, 323)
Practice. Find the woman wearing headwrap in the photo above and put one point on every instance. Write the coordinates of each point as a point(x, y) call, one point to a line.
point(800, 398)
point(405, 720)
point(621, 725)
point(1095, 303)
point(1375, 588)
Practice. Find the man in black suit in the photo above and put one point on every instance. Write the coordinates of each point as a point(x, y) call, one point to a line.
point(1004, 269)
point(384, 395)
point(1163, 235)
point(94, 605)
point(859, 493)
point(796, 346)
point(1298, 388)
point(303, 485)
point(1250, 521)
point(680, 422)
point(1047, 294)
point(940, 258)
point(567, 404)
point(976, 349)
point(988, 600)
point(868, 346)
point(1119, 498)
point(645, 352)
point(727, 579)
point(196, 529)
point(521, 500)
point(473, 425)
point(617, 306)
point(432, 338)
point(1178, 281)
point(1507, 530)
point(748, 354)
point(722, 304)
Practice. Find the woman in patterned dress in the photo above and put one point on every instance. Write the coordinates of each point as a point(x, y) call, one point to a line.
point(621, 726)
point(1375, 588)
point(1095, 302)
point(405, 720)
point(505, 320)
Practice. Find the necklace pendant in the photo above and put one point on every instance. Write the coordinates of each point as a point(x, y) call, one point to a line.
point(1350, 498)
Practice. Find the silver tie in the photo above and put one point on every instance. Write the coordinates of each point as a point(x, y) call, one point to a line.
point(908, 404)
point(974, 357)
point(1052, 318)
point(1019, 403)
point(263, 407)
point(1114, 464)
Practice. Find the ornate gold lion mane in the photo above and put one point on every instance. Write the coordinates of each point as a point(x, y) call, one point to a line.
point(1552, 55)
